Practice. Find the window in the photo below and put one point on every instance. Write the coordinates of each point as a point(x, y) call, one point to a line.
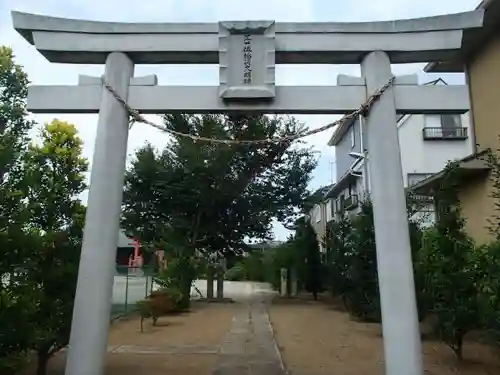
point(353, 138)
point(451, 121)
point(450, 125)
point(444, 127)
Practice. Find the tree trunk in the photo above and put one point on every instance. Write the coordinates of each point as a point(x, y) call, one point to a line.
point(220, 286)
point(186, 295)
point(210, 283)
point(43, 360)
point(458, 346)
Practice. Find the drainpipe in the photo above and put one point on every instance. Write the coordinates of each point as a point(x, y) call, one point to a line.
point(472, 126)
point(366, 185)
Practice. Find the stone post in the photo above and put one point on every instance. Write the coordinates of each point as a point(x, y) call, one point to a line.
point(283, 282)
point(91, 313)
point(220, 279)
point(293, 282)
point(210, 282)
point(402, 345)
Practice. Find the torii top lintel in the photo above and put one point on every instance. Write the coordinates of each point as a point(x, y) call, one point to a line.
point(89, 42)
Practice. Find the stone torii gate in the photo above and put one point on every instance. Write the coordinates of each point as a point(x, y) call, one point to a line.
point(246, 53)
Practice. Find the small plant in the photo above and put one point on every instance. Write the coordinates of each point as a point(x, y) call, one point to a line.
point(159, 303)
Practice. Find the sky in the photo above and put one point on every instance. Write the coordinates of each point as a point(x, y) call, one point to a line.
point(41, 72)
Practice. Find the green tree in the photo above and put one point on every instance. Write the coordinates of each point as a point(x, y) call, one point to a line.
point(337, 255)
point(362, 295)
point(306, 243)
point(55, 170)
point(285, 255)
point(351, 259)
point(488, 283)
point(448, 262)
point(15, 301)
point(492, 159)
point(200, 199)
point(489, 255)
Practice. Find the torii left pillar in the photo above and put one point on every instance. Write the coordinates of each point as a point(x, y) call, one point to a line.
point(89, 328)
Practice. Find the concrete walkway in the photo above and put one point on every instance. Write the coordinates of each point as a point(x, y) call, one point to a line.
point(249, 347)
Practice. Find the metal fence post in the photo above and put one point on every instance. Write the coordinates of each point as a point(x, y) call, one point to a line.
point(151, 284)
point(146, 289)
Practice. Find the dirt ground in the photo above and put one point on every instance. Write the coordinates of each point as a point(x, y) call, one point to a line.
point(184, 344)
point(319, 339)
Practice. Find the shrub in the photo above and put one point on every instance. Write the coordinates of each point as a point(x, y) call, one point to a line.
point(179, 276)
point(15, 336)
point(449, 264)
point(361, 295)
point(306, 243)
point(337, 249)
point(488, 285)
point(450, 286)
point(159, 303)
point(236, 273)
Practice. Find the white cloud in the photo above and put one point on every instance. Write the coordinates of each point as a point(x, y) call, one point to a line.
point(42, 72)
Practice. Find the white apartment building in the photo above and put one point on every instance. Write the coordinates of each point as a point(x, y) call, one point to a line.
point(427, 143)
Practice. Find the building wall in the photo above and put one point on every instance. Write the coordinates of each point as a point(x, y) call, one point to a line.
point(328, 210)
point(483, 76)
point(318, 222)
point(484, 84)
point(421, 156)
point(356, 188)
point(344, 147)
point(477, 207)
point(418, 156)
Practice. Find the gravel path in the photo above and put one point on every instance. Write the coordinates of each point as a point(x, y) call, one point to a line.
point(320, 339)
point(212, 339)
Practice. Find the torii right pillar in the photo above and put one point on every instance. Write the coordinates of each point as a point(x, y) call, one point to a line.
point(394, 263)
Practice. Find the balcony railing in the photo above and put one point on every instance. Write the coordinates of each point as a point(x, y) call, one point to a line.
point(351, 202)
point(455, 133)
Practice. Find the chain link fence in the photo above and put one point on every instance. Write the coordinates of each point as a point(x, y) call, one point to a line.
point(131, 284)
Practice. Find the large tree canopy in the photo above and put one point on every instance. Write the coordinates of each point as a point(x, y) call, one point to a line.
point(211, 196)
point(55, 171)
point(41, 222)
point(14, 245)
